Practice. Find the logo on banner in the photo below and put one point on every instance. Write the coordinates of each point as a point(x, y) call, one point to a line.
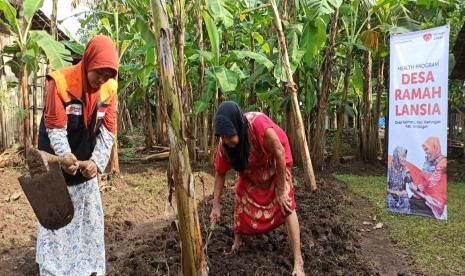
point(427, 37)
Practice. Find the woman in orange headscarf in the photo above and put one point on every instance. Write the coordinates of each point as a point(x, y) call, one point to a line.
point(79, 123)
point(430, 183)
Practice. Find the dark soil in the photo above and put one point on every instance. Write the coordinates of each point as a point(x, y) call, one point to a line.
point(140, 241)
point(329, 244)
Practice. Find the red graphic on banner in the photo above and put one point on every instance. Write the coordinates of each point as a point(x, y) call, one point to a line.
point(427, 37)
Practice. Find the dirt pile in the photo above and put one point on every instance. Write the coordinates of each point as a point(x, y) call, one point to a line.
point(328, 245)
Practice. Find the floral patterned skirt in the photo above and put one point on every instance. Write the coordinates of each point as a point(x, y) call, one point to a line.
point(78, 248)
point(256, 209)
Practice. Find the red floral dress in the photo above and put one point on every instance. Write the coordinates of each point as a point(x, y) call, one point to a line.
point(256, 208)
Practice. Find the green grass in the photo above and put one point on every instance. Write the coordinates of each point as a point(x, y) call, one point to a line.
point(436, 245)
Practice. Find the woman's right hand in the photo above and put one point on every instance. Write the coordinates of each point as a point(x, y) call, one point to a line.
point(72, 164)
point(215, 214)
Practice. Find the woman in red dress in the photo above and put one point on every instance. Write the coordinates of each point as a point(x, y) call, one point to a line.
point(253, 145)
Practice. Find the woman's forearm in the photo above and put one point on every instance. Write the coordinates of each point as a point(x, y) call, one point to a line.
point(219, 185)
point(281, 169)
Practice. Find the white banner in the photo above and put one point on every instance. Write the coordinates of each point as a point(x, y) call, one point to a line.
point(418, 93)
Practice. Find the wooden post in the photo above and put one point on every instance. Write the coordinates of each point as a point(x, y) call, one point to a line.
point(307, 162)
point(179, 174)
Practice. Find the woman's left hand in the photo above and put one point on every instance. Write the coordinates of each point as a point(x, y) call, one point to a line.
point(88, 168)
point(284, 202)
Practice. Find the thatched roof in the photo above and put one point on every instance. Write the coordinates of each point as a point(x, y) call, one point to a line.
point(458, 73)
point(41, 22)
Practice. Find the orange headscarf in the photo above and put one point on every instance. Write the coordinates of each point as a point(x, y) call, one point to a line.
point(433, 146)
point(100, 53)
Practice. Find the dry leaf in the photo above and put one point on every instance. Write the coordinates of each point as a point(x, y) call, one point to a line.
point(16, 196)
point(374, 218)
point(366, 223)
point(378, 226)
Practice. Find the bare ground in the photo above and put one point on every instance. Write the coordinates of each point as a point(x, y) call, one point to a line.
point(141, 240)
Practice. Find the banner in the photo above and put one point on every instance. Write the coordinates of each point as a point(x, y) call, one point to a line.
point(418, 93)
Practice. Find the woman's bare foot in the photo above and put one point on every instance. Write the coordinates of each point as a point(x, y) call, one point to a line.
point(298, 267)
point(237, 243)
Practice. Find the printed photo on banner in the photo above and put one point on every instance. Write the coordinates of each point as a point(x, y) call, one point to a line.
point(418, 106)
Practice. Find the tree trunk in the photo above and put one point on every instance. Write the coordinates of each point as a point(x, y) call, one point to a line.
point(25, 104)
point(35, 136)
point(148, 121)
point(179, 173)
point(368, 142)
point(307, 162)
point(341, 111)
point(462, 114)
point(386, 125)
point(179, 17)
point(379, 92)
point(319, 148)
point(53, 20)
point(23, 86)
point(114, 159)
point(204, 115)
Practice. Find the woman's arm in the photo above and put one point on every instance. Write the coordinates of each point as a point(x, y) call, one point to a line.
point(273, 146)
point(219, 185)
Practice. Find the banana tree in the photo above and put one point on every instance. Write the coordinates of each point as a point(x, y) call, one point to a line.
point(320, 10)
point(352, 30)
point(26, 39)
point(179, 173)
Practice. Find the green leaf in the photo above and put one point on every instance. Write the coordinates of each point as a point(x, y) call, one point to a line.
point(30, 8)
point(238, 71)
point(260, 58)
point(124, 46)
point(319, 8)
point(147, 35)
point(74, 46)
point(226, 78)
point(213, 35)
point(206, 55)
point(259, 38)
point(357, 78)
point(106, 24)
point(200, 106)
point(220, 13)
point(280, 73)
point(313, 38)
point(309, 98)
point(10, 14)
point(56, 53)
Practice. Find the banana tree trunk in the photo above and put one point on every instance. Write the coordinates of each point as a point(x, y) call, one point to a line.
point(386, 124)
point(53, 20)
point(369, 147)
point(180, 173)
point(341, 112)
point(319, 148)
point(24, 95)
point(204, 115)
point(148, 121)
point(307, 162)
point(462, 115)
point(35, 136)
point(379, 92)
point(23, 85)
point(179, 18)
point(114, 159)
